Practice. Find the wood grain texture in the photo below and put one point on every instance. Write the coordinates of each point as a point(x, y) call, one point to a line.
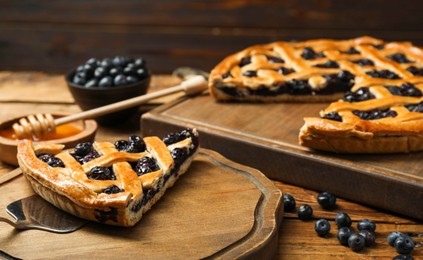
point(55, 36)
point(267, 135)
point(297, 239)
point(217, 209)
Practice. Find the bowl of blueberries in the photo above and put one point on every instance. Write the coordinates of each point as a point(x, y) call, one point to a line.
point(99, 82)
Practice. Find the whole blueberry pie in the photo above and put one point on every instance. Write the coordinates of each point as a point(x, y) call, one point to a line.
point(315, 70)
point(111, 183)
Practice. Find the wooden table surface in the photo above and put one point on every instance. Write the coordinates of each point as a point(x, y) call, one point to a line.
point(23, 93)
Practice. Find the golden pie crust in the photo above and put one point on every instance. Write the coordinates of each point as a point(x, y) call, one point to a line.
point(70, 189)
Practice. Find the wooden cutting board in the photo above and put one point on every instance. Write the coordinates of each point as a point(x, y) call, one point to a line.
point(265, 136)
point(217, 209)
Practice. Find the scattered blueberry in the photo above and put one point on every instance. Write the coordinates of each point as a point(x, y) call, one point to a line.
point(305, 212)
point(404, 244)
point(326, 200)
point(369, 237)
point(366, 224)
point(343, 235)
point(342, 219)
point(356, 242)
point(288, 202)
point(322, 227)
point(393, 236)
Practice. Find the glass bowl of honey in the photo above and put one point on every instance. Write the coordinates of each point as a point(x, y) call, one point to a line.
point(68, 134)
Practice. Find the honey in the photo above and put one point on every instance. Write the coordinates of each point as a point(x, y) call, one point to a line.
point(62, 131)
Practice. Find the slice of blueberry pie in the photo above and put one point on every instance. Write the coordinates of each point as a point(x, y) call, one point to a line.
point(381, 118)
point(111, 183)
point(315, 70)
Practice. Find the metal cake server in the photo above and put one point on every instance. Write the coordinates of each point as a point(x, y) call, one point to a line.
point(35, 213)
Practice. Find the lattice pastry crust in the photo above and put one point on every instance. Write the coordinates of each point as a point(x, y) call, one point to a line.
point(128, 183)
point(314, 70)
point(376, 119)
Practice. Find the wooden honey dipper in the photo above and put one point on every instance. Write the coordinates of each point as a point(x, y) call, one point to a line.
point(39, 125)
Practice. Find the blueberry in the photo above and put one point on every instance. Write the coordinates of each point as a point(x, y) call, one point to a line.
point(328, 64)
point(119, 80)
point(112, 189)
point(92, 62)
point(385, 74)
point(326, 200)
point(399, 57)
point(91, 83)
point(361, 94)
point(129, 70)
point(179, 155)
point(305, 212)
point(342, 220)
point(82, 149)
point(403, 257)
point(352, 50)
point(244, 61)
point(343, 235)
point(285, 71)
point(119, 61)
point(145, 165)
point(369, 237)
point(415, 71)
point(121, 145)
point(226, 75)
point(322, 227)
point(393, 236)
point(141, 73)
point(79, 79)
point(333, 116)
point(139, 63)
point(99, 72)
point(250, 73)
point(51, 160)
point(115, 71)
point(364, 62)
point(105, 82)
point(171, 138)
point(356, 242)
point(310, 54)
point(366, 224)
point(415, 107)
point(89, 157)
point(131, 79)
point(288, 202)
point(374, 114)
point(106, 63)
point(275, 59)
point(135, 144)
point(404, 244)
point(298, 87)
point(101, 173)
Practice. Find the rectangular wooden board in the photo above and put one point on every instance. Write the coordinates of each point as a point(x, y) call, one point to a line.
point(265, 136)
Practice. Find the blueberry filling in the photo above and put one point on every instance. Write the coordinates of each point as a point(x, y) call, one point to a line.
point(250, 73)
point(285, 71)
point(399, 57)
point(364, 62)
point(275, 59)
point(101, 173)
point(103, 216)
point(415, 71)
point(328, 64)
point(341, 81)
point(226, 75)
point(148, 195)
point(406, 89)
point(379, 46)
point(172, 138)
point(374, 114)
point(135, 144)
point(415, 107)
point(179, 155)
point(310, 54)
point(385, 74)
point(145, 165)
point(84, 152)
point(112, 189)
point(244, 61)
point(333, 116)
point(352, 50)
point(51, 160)
point(361, 94)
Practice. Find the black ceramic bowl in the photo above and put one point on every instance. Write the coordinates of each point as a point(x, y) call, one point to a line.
point(92, 97)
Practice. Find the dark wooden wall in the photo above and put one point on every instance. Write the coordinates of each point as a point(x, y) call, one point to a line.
point(54, 36)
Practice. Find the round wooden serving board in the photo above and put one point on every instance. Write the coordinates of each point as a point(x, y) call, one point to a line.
point(218, 209)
